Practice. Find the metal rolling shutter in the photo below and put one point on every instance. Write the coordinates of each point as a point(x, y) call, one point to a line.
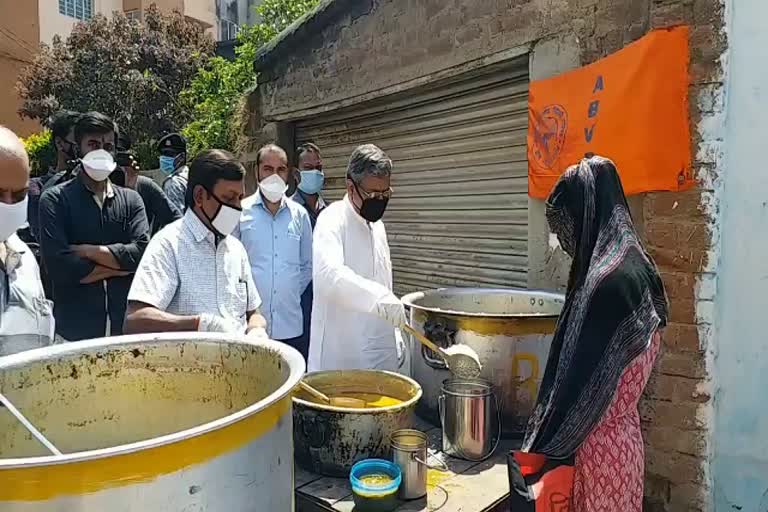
point(459, 214)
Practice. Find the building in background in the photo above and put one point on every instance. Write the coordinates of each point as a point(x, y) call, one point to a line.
point(27, 23)
point(232, 15)
point(19, 40)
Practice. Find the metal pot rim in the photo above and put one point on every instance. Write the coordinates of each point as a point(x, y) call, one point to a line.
point(290, 355)
point(411, 300)
point(368, 410)
point(409, 447)
point(481, 383)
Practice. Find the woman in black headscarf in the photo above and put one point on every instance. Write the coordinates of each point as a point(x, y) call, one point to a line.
point(605, 343)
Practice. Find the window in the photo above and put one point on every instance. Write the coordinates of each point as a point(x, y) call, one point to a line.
point(80, 9)
point(133, 15)
point(227, 30)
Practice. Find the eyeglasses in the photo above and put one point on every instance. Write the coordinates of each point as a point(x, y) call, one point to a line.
point(364, 194)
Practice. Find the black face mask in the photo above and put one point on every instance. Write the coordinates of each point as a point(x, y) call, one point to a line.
point(71, 150)
point(372, 208)
point(118, 177)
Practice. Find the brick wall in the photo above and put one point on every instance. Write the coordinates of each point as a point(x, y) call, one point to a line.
point(377, 44)
point(681, 234)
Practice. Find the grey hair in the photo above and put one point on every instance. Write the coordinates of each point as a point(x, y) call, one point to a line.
point(270, 148)
point(368, 160)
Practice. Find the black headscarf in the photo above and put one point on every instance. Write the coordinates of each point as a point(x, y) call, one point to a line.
point(614, 304)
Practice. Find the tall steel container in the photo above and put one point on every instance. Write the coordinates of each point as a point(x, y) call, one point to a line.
point(172, 422)
point(510, 329)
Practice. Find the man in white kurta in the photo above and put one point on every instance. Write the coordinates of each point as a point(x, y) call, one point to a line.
point(355, 313)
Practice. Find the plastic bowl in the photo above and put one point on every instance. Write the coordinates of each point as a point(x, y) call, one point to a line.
point(375, 498)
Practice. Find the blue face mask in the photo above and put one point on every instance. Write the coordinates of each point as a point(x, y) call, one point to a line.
point(311, 181)
point(167, 164)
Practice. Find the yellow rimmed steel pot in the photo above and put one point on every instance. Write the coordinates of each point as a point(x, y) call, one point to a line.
point(172, 422)
point(329, 440)
point(511, 331)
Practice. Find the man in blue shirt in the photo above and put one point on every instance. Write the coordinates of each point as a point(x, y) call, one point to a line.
point(173, 164)
point(277, 235)
point(311, 178)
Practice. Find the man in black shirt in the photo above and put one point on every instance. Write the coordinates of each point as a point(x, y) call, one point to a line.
point(93, 235)
point(160, 210)
point(62, 126)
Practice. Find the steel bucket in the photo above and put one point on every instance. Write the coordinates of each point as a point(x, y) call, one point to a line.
point(409, 451)
point(511, 331)
point(470, 419)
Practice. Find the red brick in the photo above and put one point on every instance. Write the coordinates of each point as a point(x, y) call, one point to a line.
point(707, 12)
point(677, 389)
point(683, 415)
point(657, 488)
point(669, 14)
point(681, 337)
point(690, 497)
point(679, 235)
point(690, 365)
point(676, 467)
point(679, 285)
point(679, 260)
point(682, 311)
point(667, 439)
point(674, 205)
point(705, 44)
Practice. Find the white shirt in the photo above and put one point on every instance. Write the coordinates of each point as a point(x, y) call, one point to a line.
point(279, 248)
point(26, 316)
point(184, 272)
point(352, 271)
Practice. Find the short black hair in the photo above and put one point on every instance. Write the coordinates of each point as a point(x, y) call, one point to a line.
point(124, 142)
point(307, 147)
point(268, 148)
point(61, 123)
point(208, 168)
point(93, 123)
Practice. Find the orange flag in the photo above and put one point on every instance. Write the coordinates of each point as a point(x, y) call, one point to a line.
point(631, 107)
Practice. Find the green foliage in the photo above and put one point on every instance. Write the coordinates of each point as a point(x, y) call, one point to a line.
point(41, 153)
point(131, 71)
point(217, 92)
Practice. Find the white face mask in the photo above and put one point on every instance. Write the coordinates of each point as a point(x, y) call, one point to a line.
point(12, 217)
point(226, 219)
point(98, 164)
point(273, 188)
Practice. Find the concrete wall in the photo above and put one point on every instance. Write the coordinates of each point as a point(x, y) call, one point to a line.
point(372, 48)
point(53, 23)
point(18, 44)
point(741, 442)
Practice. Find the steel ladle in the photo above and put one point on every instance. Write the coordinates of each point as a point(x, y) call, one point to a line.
point(28, 425)
point(460, 359)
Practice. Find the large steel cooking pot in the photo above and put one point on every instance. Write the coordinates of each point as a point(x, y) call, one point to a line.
point(330, 440)
point(158, 422)
point(510, 329)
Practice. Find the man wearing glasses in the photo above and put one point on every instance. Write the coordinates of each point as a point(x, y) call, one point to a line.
point(355, 313)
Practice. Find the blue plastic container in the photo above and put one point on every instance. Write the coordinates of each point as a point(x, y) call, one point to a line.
point(375, 497)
